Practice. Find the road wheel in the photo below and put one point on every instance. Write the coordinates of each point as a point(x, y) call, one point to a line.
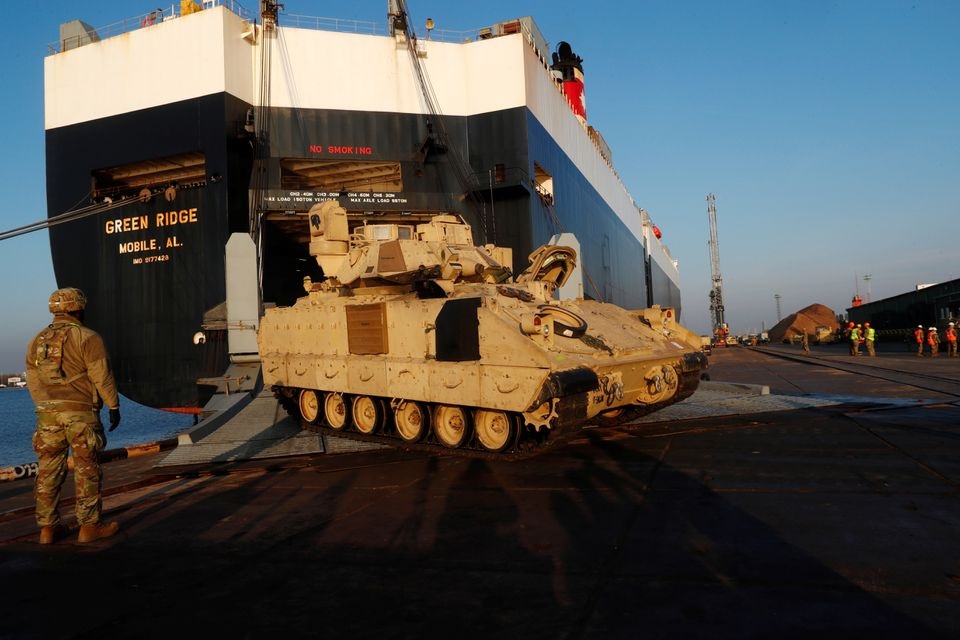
point(451, 426)
point(411, 421)
point(335, 410)
point(367, 414)
point(495, 429)
point(309, 405)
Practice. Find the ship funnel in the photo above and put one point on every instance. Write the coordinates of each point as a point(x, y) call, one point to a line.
point(568, 69)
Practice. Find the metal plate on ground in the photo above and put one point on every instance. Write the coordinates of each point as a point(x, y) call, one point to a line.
point(260, 430)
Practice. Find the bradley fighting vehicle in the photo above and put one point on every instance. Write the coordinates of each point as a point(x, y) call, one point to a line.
point(417, 338)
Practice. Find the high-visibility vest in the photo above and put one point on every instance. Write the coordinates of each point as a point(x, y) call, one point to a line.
point(871, 333)
point(951, 335)
point(918, 334)
point(933, 338)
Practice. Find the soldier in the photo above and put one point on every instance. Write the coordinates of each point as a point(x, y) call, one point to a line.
point(951, 336)
point(870, 334)
point(933, 339)
point(69, 377)
point(918, 337)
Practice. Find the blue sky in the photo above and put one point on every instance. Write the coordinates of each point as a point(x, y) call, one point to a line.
point(829, 132)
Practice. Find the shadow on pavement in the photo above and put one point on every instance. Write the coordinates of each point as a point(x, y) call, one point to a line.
point(595, 541)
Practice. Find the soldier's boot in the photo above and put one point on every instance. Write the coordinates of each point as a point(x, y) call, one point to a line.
point(96, 531)
point(52, 533)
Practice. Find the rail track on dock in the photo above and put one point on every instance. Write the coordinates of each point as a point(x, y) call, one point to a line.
point(899, 370)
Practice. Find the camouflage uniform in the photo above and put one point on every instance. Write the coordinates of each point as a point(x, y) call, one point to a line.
point(68, 416)
point(82, 432)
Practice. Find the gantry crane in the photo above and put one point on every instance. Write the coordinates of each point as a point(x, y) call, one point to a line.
point(720, 329)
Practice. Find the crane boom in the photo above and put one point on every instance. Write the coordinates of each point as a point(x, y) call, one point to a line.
point(716, 291)
point(437, 140)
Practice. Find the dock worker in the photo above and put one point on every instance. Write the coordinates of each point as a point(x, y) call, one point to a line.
point(918, 337)
point(870, 335)
point(951, 336)
point(933, 341)
point(69, 378)
point(855, 340)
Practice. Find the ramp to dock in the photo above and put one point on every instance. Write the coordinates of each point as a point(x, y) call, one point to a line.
point(260, 429)
point(252, 428)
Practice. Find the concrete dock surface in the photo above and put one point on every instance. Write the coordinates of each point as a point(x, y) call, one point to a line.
point(835, 516)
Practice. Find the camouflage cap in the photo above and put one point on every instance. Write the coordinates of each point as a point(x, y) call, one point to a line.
point(67, 300)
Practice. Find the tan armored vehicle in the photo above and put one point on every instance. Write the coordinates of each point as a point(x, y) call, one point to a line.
point(420, 339)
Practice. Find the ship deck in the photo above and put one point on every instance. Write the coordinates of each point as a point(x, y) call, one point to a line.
point(829, 505)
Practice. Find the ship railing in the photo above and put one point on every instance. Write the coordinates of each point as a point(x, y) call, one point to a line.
point(454, 36)
point(150, 18)
point(142, 21)
point(318, 23)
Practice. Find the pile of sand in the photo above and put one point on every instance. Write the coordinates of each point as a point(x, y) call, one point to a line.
point(804, 321)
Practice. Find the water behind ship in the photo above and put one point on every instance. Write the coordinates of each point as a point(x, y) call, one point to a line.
point(139, 425)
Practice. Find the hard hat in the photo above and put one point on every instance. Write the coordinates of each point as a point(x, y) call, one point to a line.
point(859, 325)
point(66, 300)
point(849, 324)
point(919, 326)
point(951, 323)
point(933, 328)
point(866, 324)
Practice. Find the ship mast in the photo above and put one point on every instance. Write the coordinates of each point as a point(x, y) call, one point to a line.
point(716, 292)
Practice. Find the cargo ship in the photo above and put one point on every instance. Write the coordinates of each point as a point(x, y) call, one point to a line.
point(186, 145)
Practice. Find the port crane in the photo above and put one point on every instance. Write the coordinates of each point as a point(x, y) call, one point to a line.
point(720, 329)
